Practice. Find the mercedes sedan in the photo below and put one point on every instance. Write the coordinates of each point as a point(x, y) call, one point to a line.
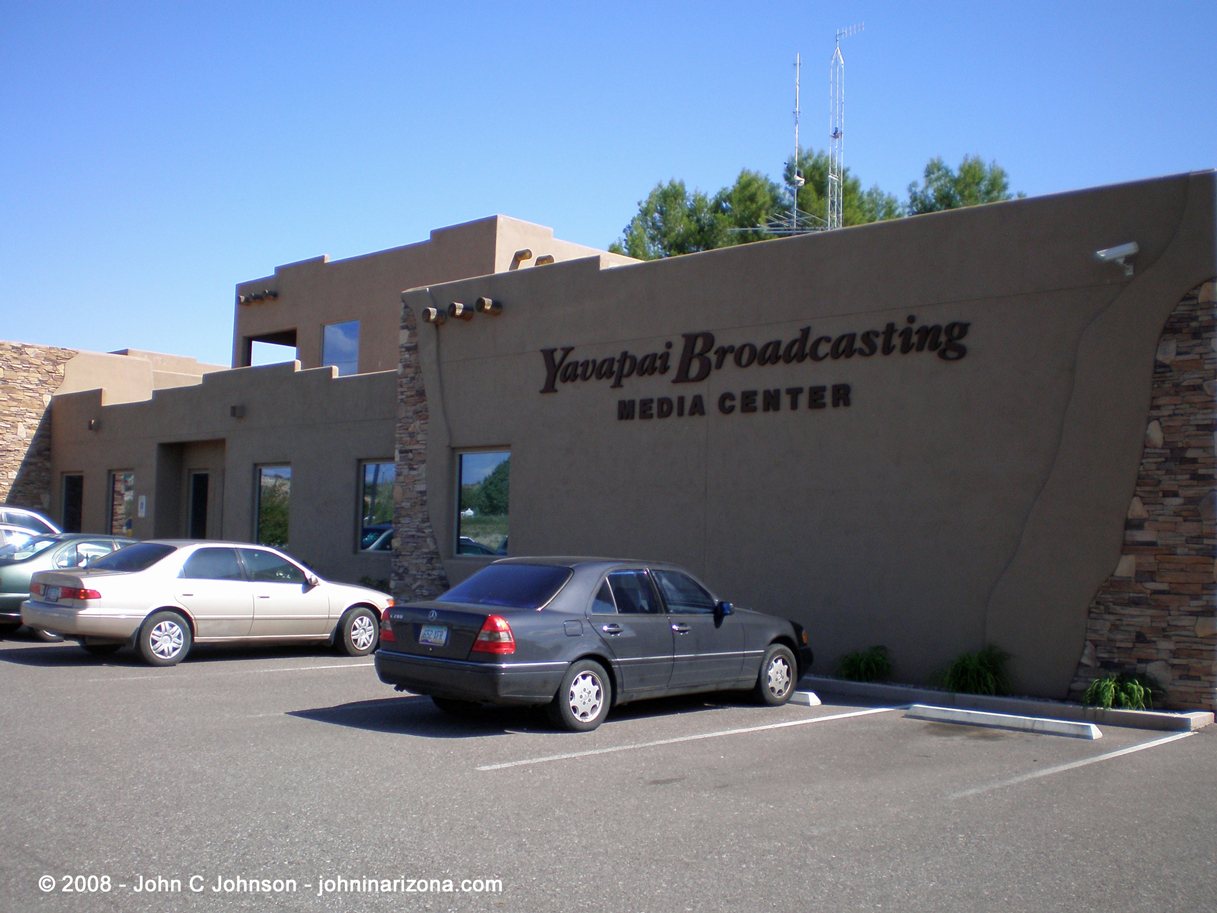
point(163, 596)
point(582, 636)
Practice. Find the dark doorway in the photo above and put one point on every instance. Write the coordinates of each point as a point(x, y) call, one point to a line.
point(198, 504)
point(73, 501)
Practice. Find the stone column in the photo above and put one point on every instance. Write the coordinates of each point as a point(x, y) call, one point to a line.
point(29, 377)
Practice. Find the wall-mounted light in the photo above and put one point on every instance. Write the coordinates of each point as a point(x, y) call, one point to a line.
point(544, 260)
point(1120, 254)
point(489, 307)
point(460, 311)
point(434, 315)
point(237, 411)
point(94, 424)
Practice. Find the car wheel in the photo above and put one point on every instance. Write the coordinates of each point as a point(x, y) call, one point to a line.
point(8, 630)
point(455, 707)
point(775, 684)
point(584, 697)
point(47, 637)
point(164, 640)
point(360, 628)
point(101, 649)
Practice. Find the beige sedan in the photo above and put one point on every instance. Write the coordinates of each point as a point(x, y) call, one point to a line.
point(163, 596)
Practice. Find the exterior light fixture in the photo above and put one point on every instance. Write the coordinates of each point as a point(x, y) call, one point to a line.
point(94, 424)
point(489, 307)
point(1119, 254)
point(460, 311)
point(434, 315)
point(545, 260)
point(237, 411)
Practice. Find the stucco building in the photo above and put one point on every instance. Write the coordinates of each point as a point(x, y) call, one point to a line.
point(991, 425)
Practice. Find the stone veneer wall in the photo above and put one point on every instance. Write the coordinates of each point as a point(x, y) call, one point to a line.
point(29, 375)
point(1155, 614)
point(418, 572)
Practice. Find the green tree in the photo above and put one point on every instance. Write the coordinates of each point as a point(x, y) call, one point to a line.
point(670, 221)
point(858, 206)
point(491, 497)
point(745, 205)
point(974, 183)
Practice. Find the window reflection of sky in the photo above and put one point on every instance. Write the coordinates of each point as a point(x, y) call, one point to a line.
point(340, 346)
point(476, 466)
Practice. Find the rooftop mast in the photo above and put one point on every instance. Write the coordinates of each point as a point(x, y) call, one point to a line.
point(836, 129)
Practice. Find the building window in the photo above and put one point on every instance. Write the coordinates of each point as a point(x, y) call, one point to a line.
point(122, 503)
point(274, 502)
point(376, 506)
point(340, 346)
point(73, 502)
point(481, 521)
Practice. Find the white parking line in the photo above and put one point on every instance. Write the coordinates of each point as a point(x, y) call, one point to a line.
point(685, 738)
point(1073, 765)
point(153, 675)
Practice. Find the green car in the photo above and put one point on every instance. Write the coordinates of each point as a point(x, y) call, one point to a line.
point(44, 553)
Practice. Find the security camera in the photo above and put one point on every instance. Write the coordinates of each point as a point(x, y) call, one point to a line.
point(1119, 254)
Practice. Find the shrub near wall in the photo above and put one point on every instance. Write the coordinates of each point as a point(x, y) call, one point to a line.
point(29, 376)
point(1155, 615)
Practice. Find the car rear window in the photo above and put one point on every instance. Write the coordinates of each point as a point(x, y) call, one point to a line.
point(512, 586)
point(137, 557)
point(29, 549)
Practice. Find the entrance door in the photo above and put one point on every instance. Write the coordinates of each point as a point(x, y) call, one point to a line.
point(200, 483)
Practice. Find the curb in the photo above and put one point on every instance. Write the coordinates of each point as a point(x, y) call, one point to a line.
point(1069, 728)
point(1022, 706)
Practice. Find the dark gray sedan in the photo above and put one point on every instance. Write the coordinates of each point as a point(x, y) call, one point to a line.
point(584, 635)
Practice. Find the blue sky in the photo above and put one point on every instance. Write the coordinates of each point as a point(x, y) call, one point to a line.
point(152, 155)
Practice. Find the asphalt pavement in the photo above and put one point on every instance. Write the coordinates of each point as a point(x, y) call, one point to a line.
point(292, 779)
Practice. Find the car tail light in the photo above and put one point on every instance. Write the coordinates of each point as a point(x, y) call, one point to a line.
point(495, 636)
point(75, 592)
point(35, 589)
point(386, 627)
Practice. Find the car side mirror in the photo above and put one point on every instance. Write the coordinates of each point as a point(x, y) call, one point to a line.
point(723, 609)
point(312, 581)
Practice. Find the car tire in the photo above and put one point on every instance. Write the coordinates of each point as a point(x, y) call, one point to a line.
point(454, 707)
point(776, 680)
point(164, 639)
point(101, 649)
point(8, 630)
point(359, 631)
point(583, 698)
point(47, 637)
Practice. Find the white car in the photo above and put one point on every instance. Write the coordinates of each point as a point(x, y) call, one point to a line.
point(162, 596)
point(30, 519)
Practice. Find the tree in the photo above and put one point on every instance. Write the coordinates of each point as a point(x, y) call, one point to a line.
point(745, 205)
point(670, 221)
point(974, 183)
point(858, 207)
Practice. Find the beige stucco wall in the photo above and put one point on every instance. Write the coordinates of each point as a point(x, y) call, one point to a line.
point(950, 504)
point(320, 424)
point(312, 294)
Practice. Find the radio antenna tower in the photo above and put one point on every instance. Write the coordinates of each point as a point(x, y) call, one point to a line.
point(796, 222)
point(836, 129)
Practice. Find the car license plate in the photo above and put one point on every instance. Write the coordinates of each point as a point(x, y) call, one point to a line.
point(433, 635)
point(51, 593)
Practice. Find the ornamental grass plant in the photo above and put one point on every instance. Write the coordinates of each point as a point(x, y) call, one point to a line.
point(982, 672)
point(1122, 692)
point(870, 665)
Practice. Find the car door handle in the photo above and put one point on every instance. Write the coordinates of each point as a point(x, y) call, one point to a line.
point(611, 629)
point(680, 628)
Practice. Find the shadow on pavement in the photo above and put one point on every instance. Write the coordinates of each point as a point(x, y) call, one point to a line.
point(416, 715)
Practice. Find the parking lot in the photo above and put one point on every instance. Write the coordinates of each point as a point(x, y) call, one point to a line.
point(296, 773)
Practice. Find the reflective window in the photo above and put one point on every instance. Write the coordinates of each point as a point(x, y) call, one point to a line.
point(516, 586)
point(682, 594)
point(79, 554)
point(267, 567)
point(603, 603)
point(481, 522)
point(340, 346)
point(376, 506)
point(122, 503)
point(21, 550)
point(213, 564)
point(633, 593)
point(274, 503)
